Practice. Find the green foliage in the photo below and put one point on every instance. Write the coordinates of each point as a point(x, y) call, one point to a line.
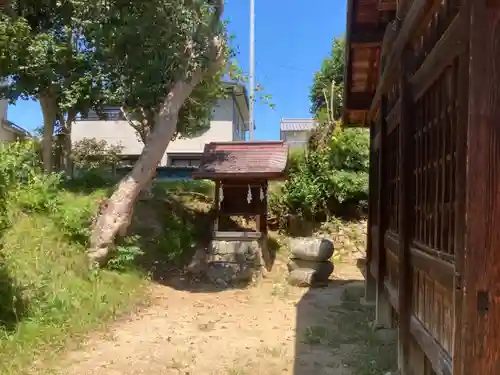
point(44, 54)
point(146, 47)
point(126, 254)
point(327, 181)
point(75, 56)
point(331, 71)
point(48, 295)
point(90, 153)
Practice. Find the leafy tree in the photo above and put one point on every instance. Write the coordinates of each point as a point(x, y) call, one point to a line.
point(156, 53)
point(332, 179)
point(45, 57)
point(328, 84)
point(90, 153)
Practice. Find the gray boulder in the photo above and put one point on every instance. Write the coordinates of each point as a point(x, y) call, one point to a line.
point(314, 249)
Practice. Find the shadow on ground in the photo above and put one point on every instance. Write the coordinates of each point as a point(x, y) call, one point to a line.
point(11, 300)
point(333, 334)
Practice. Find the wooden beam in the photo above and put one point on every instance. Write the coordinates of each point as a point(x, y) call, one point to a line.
point(438, 357)
point(374, 270)
point(376, 142)
point(437, 269)
point(382, 217)
point(433, 253)
point(405, 214)
point(392, 241)
point(451, 44)
point(393, 295)
point(418, 11)
point(370, 281)
point(215, 227)
point(238, 236)
point(387, 5)
point(460, 196)
point(480, 334)
point(394, 117)
point(367, 36)
point(348, 59)
point(359, 100)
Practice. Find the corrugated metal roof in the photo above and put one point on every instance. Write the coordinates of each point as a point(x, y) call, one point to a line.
point(297, 124)
point(9, 125)
point(254, 159)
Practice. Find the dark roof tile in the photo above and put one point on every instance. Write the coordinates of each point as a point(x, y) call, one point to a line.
point(253, 159)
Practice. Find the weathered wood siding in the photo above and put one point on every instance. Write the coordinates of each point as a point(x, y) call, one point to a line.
point(434, 215)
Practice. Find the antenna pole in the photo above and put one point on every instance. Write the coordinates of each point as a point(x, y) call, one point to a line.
point(252, 70)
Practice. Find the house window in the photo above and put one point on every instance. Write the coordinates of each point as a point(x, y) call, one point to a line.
point(185, 162)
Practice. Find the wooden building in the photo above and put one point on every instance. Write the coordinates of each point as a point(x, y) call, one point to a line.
point(428, 87)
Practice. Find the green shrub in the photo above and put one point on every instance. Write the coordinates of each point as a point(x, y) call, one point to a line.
point(329, 180)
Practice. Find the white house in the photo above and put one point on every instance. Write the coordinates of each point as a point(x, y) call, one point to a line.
point(296, 132)
point(9, 132)
point(229, 123)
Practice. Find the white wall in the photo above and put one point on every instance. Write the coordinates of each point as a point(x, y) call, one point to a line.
point(238, 124)
point(5, 134)
point(120, 132)
point(296, 139)
point(221, 129)
point(3, 110)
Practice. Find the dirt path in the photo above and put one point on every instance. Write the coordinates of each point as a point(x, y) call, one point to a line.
point(269, 329)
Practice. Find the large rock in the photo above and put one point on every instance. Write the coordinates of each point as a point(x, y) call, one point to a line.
point(305, 277)
point(322, 270)
point(314, 249)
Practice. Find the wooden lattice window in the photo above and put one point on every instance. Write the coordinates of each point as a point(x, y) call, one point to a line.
point(392, 190)
point(435, 163)
point(430, 35)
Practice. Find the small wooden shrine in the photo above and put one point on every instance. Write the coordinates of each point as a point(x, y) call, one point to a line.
point(241, 172)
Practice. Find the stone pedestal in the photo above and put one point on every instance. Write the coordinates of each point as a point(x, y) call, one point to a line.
point(230, 262)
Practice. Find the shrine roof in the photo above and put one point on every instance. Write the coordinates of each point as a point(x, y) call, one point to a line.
point(241, 160)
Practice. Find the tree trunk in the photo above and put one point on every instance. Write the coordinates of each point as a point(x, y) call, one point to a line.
point(67, 166)
point(117, 214)
point(67, 160)
point(49, 111)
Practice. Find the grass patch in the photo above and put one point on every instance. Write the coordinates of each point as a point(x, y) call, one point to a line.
point(50, 294)
point(364, 350)
point(49, 298)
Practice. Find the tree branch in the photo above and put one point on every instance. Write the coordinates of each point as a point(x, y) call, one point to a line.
point(139, 129)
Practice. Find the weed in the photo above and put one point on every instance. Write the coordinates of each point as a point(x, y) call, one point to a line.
point(126, 253)
point(367, 352)
point(316, 335)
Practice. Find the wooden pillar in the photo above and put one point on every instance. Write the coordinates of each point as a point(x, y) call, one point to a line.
point(217, 204)
point(460, 197)
point(383, 313)
point(405, 215)
point(480, 334)
point(267, 255)
point(370, 281)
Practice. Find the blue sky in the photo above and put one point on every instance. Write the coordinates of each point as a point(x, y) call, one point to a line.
point(291, 40)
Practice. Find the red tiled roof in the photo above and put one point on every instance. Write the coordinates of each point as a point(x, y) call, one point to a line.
point(253, 159)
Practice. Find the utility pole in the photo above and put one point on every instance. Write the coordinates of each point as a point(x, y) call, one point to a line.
point(252, 70)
